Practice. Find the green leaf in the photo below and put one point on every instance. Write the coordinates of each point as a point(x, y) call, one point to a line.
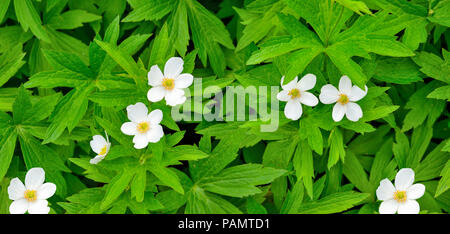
point(29, 19)
point(7, 146)
point(167, 177)
point(10, 62)
point(116, 187)
point(333, 203)
point(72, 19)
point(149, 10)
point(444, 182)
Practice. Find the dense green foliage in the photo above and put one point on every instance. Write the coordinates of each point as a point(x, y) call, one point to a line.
point(69, 69)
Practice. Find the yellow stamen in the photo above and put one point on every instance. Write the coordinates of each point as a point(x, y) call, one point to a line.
point(30, 195)
point(294, 93)
point(400, 196)
point(343, 99)
point(103, 151)
point(168, 83)
point(143, 127)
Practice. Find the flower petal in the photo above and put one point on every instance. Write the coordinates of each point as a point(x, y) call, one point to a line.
point(354, 112)
point(416, 191)
point(283, 96)
point(388, 207)
point(290, 85)
point(293, 110)
point(16, 189)
point(97, 143)
point(183, 81)
point(35, 177)
point(155, 116)
point(307, 82)
point(173, 67)
point(45, 191)
point(156, 94)
point(386, 190)
point(328, 94)
point(137, 113)
point(129, 128)
point(409, 207)
point(404, 179)
point(175, 97)
point(338, 112)
point(140, 141)
point(18, 206)
point(155, 76)
point(97, 159)
point(308, 99)
point(38, 207)
point(155, 133)
point(357, 93)
point(345, 85)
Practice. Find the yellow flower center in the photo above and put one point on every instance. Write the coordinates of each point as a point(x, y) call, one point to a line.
point(294, 93)
point(343, 99)
point(103, 151)
point(400, 196)
point(168, 83)
point(143, 127)
point(30, 195)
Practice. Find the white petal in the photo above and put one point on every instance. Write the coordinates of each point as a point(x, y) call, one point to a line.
point(404, 179)
point(45, 191)
point(129, 128)
point(308, 99)
point(290, 85)
point(16, 189)
point(307, 82)
point(328, 94)
point(137, 113)
point(156, 94)
point(388, 207)
point(293, 110)
point(35, 177)
point(338, 112)
point(18, 206)
point(140, 141)
point(345, 85)
point(97, 143)
point(173, 67)
point(38, 207)
point(155, 116)
point(96, 159)
point(283, 96)
point(416, 191)
point(175, 97)
point(357, 93)
point(155, 133)
point(409, 207)
point(155, 76)
point(354, 112)
point(386, 190)
point(183, 81)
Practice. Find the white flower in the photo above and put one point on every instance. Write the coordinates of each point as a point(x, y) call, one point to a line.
point(169, 85)
point(100, 146)
point(402, 197)
point(32, 196)
point(145, 127)
point(345, 99)
point(294, 93)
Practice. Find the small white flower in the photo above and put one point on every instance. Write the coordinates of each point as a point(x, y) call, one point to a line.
point(169, 85)
point(32, 196)
point(402, 197)
point(345, 99)
point(100, 146)
point(294, 93)
point(143, 126)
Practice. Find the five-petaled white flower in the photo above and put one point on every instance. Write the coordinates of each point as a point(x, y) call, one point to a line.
point(345, 99)
point(32, 196)
point(100, 146)
point(169, 85)
point(402, 197)
point(294, 93)
point(145, 127)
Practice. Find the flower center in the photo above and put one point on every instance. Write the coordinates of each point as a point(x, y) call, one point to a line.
point(294, 93)
point(30, 195)
point(400, 196)
point(103, 151)
point(343, 99)
point(168, 83)
point(143, 127)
